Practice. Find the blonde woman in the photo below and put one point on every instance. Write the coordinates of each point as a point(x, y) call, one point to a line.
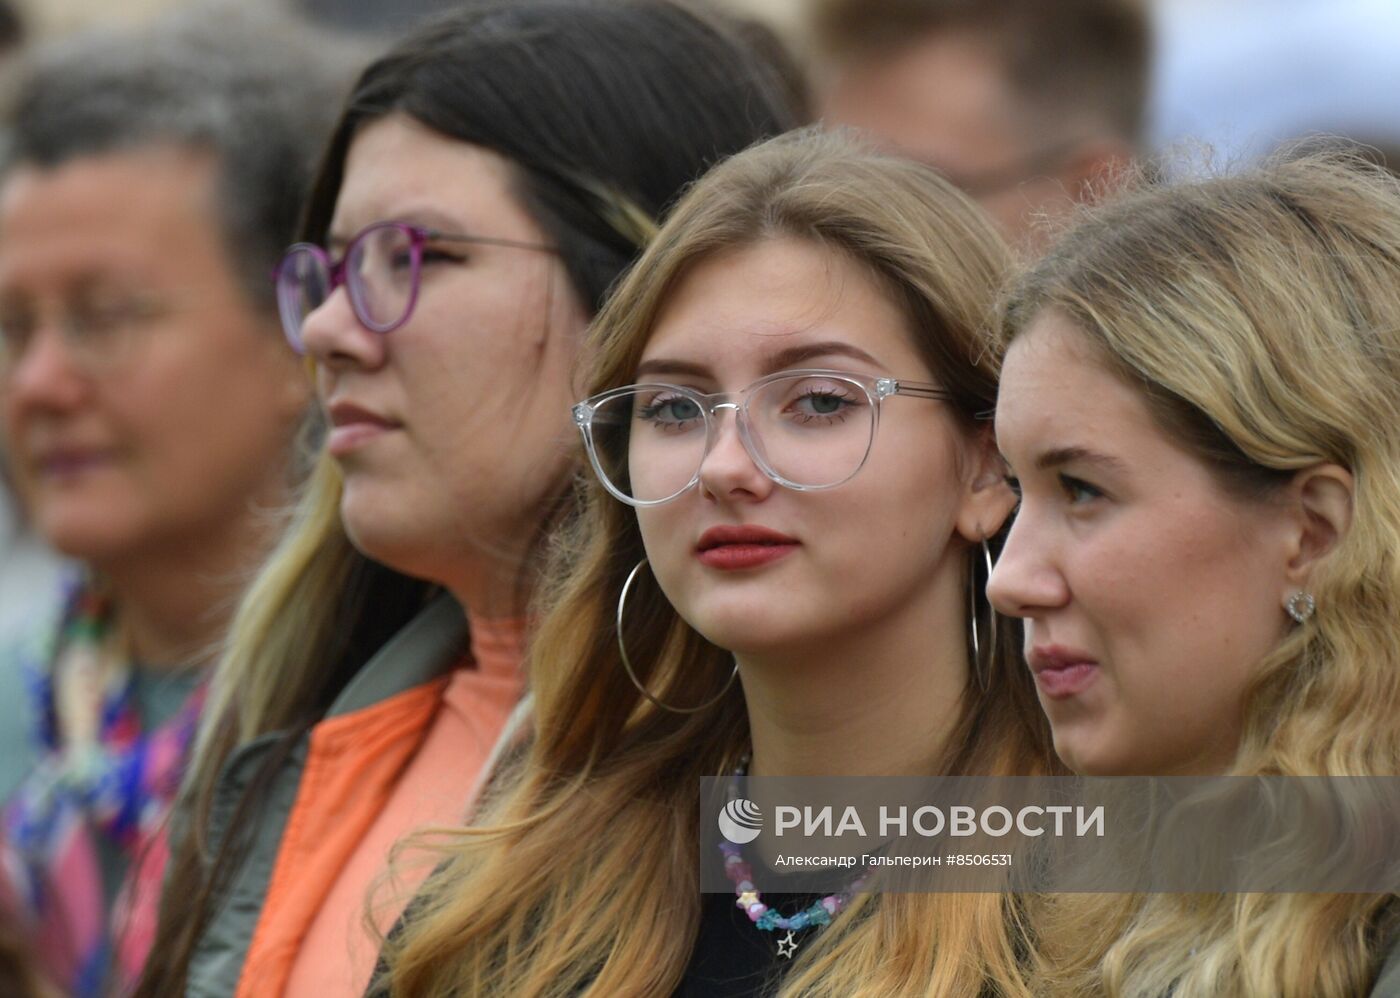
point(1201, 406)
point(813, 617)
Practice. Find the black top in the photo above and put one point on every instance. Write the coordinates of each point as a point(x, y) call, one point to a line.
point(733, 957)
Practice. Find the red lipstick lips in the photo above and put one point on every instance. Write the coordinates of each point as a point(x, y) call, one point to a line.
point(1062, 672)
point(733, 548)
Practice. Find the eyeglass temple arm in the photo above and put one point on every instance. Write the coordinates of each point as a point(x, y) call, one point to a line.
point(920, 390)
point(463, 237)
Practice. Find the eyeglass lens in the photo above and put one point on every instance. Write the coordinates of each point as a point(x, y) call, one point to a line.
point(379, 270)
point(808, 431)
point(98, 330)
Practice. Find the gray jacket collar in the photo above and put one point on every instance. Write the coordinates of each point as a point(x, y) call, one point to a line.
point(427, 647)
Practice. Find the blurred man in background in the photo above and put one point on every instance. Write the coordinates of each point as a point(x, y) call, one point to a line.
point(1027, 105)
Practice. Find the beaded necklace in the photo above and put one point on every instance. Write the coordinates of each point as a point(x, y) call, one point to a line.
point(749, 900)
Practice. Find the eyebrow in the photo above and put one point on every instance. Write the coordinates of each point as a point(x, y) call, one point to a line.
point(781, 360)
point(1061, 456)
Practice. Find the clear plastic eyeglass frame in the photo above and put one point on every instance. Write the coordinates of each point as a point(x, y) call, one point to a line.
point(876, 389)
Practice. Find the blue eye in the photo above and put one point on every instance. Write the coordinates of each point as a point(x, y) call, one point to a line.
point(671, 412)
point(822, 405)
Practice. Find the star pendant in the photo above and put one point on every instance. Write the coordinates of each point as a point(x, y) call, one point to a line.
point(787, 946)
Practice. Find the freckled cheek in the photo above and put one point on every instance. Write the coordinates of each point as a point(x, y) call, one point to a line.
point(1113, 579)
point(1159, 602)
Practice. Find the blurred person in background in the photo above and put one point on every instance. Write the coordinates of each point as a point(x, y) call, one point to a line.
point(370, 16)
point(1028, 106)
point(150, 410)
point(1383, 154)
point(18, 978)
point(30, 602)
point(29, 571)
point(489, 180)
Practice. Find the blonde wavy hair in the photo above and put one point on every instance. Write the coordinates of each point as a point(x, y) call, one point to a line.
point(1259, 314)
point(589, 841)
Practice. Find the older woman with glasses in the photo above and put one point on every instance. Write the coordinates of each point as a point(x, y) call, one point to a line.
point(490, 178)
point(778, 572)
point(149, 411)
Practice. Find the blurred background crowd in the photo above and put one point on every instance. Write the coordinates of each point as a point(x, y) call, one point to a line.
point(997, 107)
point(1020, 107)
point(1027, 106)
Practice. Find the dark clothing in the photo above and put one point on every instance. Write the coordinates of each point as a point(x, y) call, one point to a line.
point(734, 958)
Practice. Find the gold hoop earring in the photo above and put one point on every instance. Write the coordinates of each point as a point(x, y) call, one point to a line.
point(627, 662)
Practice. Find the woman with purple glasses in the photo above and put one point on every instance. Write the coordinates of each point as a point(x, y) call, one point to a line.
point(489, 180)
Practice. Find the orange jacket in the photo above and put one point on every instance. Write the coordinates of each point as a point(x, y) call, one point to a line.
point(321, 803)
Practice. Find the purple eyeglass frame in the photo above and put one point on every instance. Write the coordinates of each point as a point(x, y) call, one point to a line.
point(417, 235)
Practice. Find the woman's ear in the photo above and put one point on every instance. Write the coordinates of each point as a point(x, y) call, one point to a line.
point(988, 500)
point(1321, 501)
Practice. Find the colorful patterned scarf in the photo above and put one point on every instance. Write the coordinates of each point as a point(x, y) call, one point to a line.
point(102, 785)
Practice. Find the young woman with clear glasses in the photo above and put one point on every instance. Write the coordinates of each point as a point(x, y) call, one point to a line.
point(1200, 403)
point(489, 179)
point(760, 572)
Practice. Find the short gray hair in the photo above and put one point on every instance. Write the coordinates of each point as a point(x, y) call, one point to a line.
point(259, 93)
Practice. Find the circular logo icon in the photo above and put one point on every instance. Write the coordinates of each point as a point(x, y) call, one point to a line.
point(740, 821)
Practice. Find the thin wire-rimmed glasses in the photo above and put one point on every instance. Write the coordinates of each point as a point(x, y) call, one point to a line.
point(381, 270)
point(99, 330)
point(806, 430)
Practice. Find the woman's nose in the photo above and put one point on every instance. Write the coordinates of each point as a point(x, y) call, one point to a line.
point(1025, 580)
point(729, 470)
point(333, 335)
